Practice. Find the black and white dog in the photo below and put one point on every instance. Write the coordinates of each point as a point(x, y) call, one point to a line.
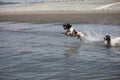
point(112, 41)
point(72, 32)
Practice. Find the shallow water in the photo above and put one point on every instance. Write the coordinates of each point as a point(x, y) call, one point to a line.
point(41, 52)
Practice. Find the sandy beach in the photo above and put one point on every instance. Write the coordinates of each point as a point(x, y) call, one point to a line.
point(72, 12)
point(99, 17)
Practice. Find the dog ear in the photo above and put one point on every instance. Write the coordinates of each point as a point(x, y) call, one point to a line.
point(69, 25)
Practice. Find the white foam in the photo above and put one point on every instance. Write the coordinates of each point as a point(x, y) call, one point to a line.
point(97, 32)
point(107, 6)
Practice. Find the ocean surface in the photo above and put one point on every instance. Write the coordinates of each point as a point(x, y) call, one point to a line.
point(30, 51)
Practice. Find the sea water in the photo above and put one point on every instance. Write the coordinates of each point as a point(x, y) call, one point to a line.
point(31, 51)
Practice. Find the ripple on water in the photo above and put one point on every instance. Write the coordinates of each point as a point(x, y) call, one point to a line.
point(42, 52)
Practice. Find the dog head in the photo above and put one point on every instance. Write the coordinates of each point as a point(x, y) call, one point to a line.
point(108, 39)
point(67, 26)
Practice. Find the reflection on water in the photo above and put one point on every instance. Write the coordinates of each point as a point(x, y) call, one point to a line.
point(71, 50)
point(41, 52)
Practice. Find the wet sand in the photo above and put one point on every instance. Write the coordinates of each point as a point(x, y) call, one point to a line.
point(96, 17)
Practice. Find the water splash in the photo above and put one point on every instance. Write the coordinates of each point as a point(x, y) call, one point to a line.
point(96, 32)
point(93, 32)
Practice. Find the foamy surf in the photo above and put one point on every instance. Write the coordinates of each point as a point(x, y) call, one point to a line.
point(96, 32)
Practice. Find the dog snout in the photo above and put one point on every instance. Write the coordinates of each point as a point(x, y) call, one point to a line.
point(64, 26)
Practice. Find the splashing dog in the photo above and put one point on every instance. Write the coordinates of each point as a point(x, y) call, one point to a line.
point(112, 42)
point(70, 31)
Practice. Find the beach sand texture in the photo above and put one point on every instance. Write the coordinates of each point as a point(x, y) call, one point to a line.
point(73, 12)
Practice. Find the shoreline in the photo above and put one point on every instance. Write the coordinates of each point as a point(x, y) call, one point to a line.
point(88, 17)
point(59, 12)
